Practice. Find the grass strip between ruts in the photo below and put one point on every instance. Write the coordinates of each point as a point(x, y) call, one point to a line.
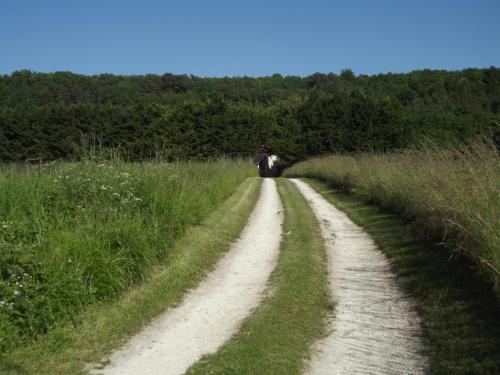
point(277, 337)
point(99, 329)
point(460, 311)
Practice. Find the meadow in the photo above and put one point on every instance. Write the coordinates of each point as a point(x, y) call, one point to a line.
point(76, 234)
point(449, 195)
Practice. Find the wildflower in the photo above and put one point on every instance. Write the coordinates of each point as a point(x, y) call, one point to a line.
point(70, 260)
point(2, 303)
point(16, 292)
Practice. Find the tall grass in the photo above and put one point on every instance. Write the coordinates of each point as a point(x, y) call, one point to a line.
point(452, 195)
point(73, 234)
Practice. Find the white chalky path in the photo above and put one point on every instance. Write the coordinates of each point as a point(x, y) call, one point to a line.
point(213, 312)
point(375, 329)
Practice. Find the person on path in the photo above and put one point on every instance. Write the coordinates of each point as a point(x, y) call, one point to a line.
point(261, 161)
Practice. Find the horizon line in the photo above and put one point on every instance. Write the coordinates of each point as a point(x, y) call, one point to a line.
point(190, 75)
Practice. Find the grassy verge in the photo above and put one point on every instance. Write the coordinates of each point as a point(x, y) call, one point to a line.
point(276, 338)
point(451, 195)
point(101, 327)
point(75, 234)
point(461, 313)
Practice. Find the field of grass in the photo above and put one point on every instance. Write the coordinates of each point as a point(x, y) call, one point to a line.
point(451, 196)
point(78, 234)
point(102, 327)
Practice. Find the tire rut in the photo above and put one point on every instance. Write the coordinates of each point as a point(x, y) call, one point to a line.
point(375, 328)
point(213, 312)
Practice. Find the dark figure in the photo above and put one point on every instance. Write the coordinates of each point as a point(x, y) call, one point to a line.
point(261, 161)
point(269, 164)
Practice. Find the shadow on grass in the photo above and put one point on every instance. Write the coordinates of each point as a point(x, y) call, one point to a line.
point(461, 313)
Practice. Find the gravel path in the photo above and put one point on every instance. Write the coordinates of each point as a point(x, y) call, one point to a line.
point(375, 329)
point(213, 312)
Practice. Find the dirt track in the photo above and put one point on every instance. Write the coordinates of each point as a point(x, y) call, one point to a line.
point(375, 329)
point(213, 312)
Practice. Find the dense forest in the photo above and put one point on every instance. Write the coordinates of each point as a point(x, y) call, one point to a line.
point(46, 116)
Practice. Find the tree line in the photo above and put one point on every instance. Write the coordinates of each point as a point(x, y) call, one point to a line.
point(46, 116)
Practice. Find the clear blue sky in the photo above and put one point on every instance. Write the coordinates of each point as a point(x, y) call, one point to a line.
point(256, 37)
